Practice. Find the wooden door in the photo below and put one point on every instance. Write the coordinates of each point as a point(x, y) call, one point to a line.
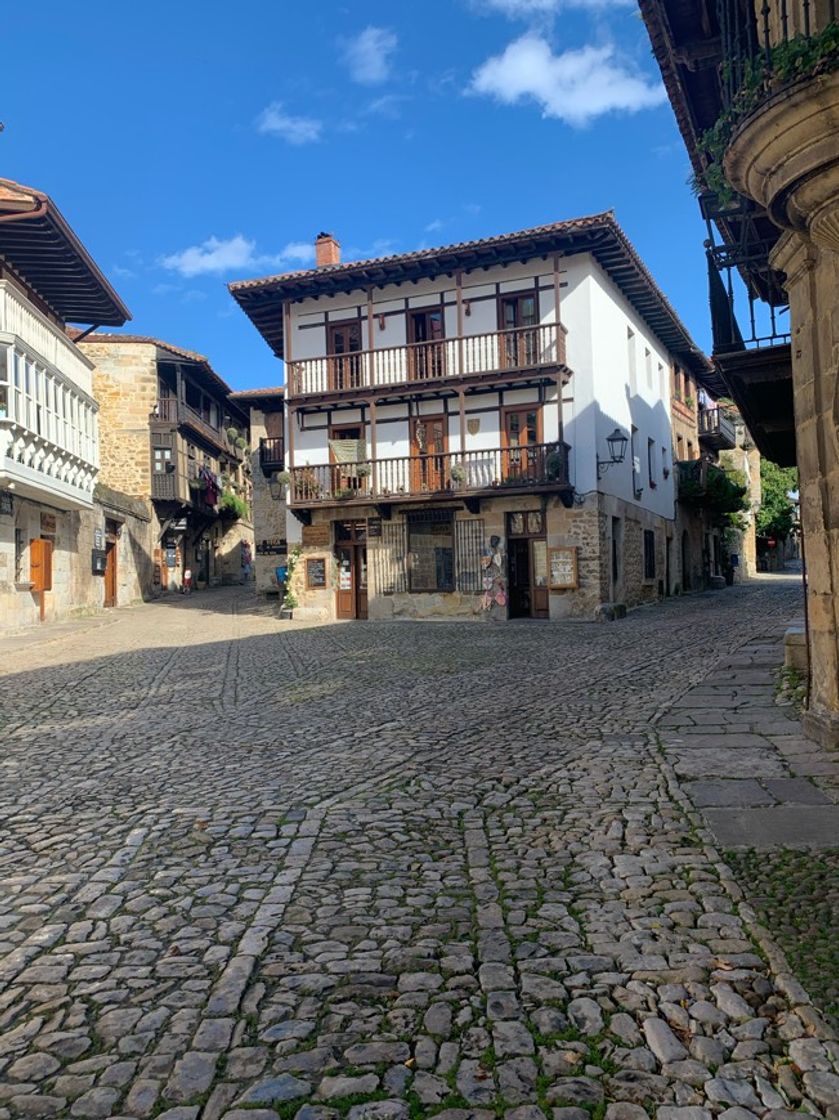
point(344, 357)
point(539, 578)
point(110, 570)
point(522, 433)
point(351, 593)
point(428, 454)
point(426, 354)
point(519, 321)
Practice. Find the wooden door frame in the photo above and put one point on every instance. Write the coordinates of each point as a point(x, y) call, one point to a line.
point(342, 324)
point(505, 439)
point(433, 309)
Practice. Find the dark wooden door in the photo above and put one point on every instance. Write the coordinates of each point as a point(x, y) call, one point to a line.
point(427, 350)
point(519, 320)
point(518, 564)
point(345, 360)
point(521, 435)
point(428, 454)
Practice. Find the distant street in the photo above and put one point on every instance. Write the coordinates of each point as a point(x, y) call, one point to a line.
point(382, 870)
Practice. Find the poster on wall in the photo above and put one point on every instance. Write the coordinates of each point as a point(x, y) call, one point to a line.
point(48, 524)
point(562, 565)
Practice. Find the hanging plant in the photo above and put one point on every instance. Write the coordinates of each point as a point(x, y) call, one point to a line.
point(282, 478)
point(232, 434)
point(240, 442)
point(232, 506)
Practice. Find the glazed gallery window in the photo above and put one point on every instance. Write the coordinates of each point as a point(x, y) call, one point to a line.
point(431, 550)
point(649, 554)
point(162, 459)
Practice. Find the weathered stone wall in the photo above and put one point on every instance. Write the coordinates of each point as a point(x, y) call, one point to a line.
point(269, 514)
point(813, 287)
point(125, 385)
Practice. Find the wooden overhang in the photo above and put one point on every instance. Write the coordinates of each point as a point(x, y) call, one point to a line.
point(268, 400)
point(43, 251)
point(262, 300)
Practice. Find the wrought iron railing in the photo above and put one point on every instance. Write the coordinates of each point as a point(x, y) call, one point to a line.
point(751, 30)
point(716, 426)
point(522, 348)
point(540, 464)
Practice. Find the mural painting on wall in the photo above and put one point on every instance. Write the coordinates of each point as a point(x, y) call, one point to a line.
point(495, 585)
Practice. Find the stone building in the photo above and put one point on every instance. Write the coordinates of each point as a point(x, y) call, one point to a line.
point(267, 415)
point(755, 89)
point(481, 430)
point(67, 543)
point(172, 436)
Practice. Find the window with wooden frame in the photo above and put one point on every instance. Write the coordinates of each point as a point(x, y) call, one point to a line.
point(344, 348)
point(518, 318)
point(649, 554)
point(521, 432)
point(427, 350)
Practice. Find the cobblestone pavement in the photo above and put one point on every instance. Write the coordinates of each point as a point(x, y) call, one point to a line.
point(383, 871)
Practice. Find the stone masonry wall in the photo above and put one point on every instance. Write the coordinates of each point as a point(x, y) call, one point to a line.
point(125, 385)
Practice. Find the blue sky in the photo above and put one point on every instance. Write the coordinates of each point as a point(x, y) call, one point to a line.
point(194, 143)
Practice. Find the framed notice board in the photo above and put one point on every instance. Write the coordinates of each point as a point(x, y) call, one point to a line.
point(316, 572)
point(562, 568)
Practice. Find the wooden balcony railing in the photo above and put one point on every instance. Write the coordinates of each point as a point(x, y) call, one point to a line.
point(271, 454)
point(519, 349)
point(716, 429)
point(169, 410)
point(542, 465)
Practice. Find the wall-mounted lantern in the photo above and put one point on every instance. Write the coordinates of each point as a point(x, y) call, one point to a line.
point(617, 443)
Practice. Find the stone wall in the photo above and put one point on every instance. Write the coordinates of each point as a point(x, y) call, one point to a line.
point(76, 590)
point(125, 385)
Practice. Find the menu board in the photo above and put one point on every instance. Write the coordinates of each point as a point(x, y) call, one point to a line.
point(316, 572)
point(562, 564)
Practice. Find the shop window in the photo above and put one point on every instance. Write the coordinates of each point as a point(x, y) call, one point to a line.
point(431, 550)
point(649, 554)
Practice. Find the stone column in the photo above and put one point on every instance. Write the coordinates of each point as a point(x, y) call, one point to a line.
point(813, 287)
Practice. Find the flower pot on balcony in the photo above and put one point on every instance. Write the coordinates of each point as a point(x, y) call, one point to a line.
point(783, 155)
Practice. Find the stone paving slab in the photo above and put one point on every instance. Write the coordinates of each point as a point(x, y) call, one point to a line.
point(782, 826)
point(249, 872)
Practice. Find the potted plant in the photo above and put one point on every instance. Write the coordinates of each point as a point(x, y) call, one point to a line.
point(363, 470)
point(343, 492)
point(282, 478)
point(458, 474)
point(240, 442)
point(232, 434)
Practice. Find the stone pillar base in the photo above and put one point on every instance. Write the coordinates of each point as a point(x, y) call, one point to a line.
point(795, 648)
point(822, 728)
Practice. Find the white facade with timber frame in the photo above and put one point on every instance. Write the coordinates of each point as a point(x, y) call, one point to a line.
point(446, 411)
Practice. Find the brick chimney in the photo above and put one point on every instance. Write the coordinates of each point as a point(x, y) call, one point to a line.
point(327, 250)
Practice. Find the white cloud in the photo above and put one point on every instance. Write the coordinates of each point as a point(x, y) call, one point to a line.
point(435, 226)
point(237, 253)
point(368, 55)
point(575, 86)
point(296, 130)
point(390, 105)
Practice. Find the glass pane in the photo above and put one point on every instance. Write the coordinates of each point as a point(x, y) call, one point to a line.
point(431, 551)
point(534, 522)
point(527, 308)
point(540, 562)
point(516, 524)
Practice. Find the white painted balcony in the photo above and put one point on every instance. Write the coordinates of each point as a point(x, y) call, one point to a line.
point(49, 441)
point(470, 356)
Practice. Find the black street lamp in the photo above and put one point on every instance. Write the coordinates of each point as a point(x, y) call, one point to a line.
point(616, 443)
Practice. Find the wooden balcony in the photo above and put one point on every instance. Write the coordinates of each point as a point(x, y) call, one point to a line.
point(171, 411)
point(540, 467)
point(716, 429)
point(271, 454)
point(428, 363)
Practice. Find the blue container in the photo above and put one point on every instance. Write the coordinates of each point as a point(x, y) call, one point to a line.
point(282, 574)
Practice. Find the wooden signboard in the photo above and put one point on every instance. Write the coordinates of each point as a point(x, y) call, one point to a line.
point(318, 536)
point(40, 564)
point(562, 568)
point(315, 572)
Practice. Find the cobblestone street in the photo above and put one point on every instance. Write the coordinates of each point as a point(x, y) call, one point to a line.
point(253, 870)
